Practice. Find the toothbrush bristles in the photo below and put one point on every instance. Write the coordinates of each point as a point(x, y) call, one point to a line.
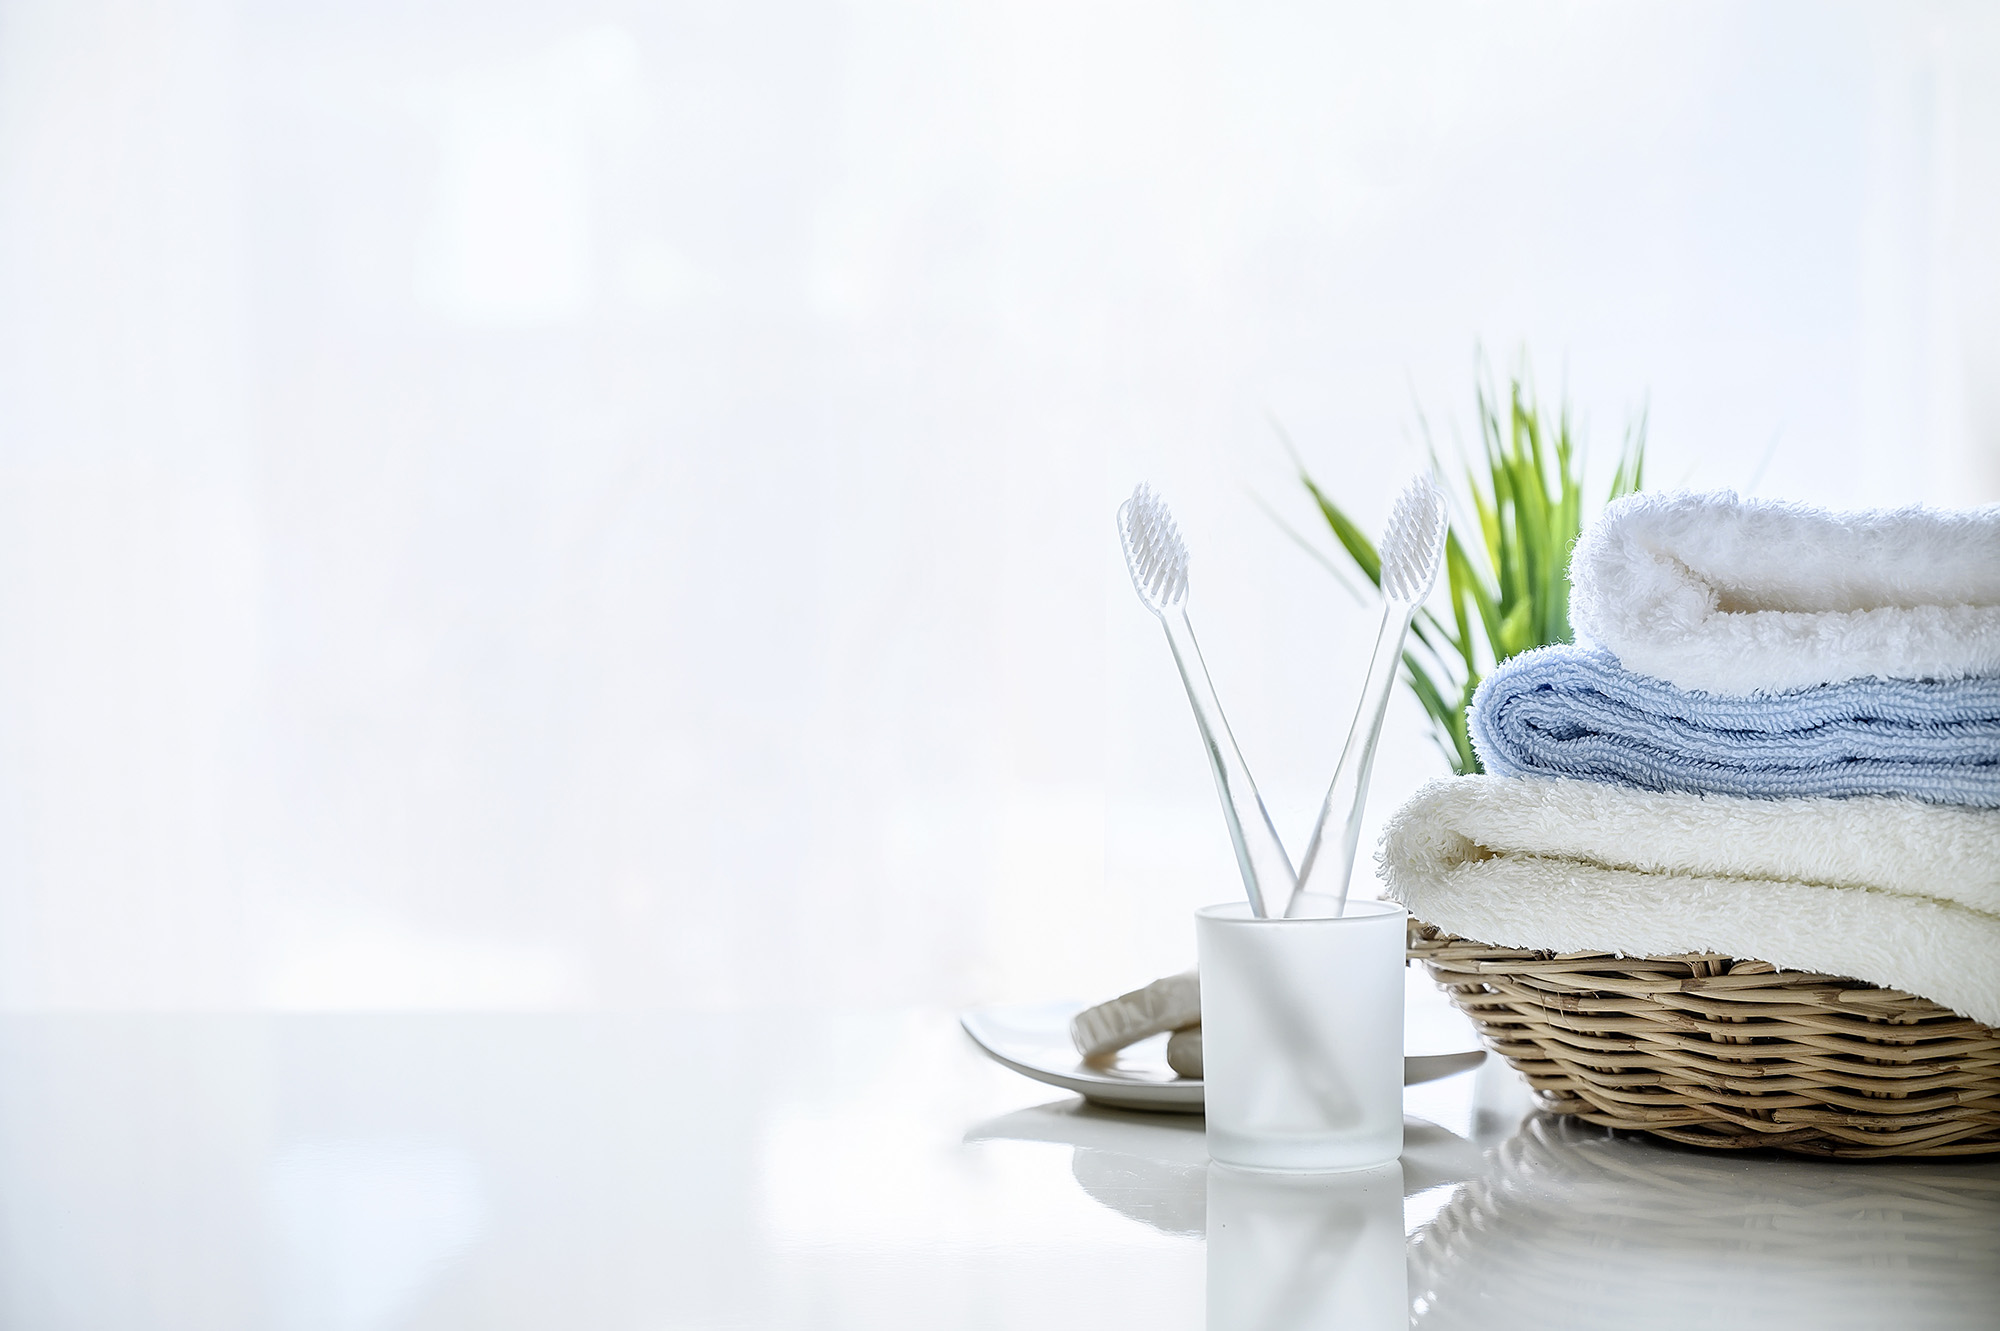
point(1154, 551)
point(1413, 543)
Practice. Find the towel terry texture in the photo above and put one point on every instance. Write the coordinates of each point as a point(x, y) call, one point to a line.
point(1890, 891)
point(1573, 711)
point(1733, 596)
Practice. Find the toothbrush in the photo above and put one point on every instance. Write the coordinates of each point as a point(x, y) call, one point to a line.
point(1412, 549)
point(1158, 561)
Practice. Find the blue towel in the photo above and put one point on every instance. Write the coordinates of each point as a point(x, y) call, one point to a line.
point(1575, 712)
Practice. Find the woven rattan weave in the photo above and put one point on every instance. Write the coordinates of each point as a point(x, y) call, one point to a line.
point(1714, 1051)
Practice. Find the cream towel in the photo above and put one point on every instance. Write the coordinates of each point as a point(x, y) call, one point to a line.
point(1733, 596)
point(1890, 891)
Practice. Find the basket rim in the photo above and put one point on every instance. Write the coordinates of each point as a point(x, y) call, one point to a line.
point(1715, 1051)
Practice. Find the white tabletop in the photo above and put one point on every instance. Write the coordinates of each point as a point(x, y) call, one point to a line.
point(830, 1170)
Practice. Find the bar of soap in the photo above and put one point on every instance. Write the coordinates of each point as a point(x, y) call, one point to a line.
point(1184, 1052)
point(1163, 1005)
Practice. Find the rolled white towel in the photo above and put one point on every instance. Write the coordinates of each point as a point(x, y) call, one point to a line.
point(1733, 596)
point(1163, 1005)
point(1184, 1052)
point(1890, 891)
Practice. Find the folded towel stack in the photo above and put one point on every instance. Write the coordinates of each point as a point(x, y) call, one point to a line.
point(1781, 740)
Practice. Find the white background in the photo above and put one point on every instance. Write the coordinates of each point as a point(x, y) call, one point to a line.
point(563, 505)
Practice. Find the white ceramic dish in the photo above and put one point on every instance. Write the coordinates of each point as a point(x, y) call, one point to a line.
point(1033, 1040)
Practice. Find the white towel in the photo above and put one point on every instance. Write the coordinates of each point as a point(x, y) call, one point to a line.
point(1733, 596)
point(1890, 891)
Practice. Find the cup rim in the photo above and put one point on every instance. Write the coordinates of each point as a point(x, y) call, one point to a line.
point(1355, 911)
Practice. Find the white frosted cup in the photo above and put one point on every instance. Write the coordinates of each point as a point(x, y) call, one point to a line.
point(1302, 1036)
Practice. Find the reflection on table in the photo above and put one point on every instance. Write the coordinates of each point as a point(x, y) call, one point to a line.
point(1557, 1225)
point(813, 1169)
point(1567, 1223)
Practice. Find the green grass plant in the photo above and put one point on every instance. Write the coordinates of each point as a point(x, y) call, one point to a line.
point(1516, 510)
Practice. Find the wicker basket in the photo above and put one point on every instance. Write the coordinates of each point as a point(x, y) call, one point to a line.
point(1711, 1051)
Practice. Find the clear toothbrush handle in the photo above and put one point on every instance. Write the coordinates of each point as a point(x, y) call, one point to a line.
point(1326, 870)
point(1267, 870)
